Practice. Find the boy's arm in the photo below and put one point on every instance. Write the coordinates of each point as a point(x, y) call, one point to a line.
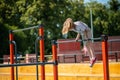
point(77, 37)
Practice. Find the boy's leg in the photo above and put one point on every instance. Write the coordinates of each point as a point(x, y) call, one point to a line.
point(85, 48)
point(93, 59)
point(90, 49)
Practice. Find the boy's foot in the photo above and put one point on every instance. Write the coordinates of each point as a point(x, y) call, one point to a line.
point(92, 62)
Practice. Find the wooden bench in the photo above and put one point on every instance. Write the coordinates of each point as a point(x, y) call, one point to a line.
point(69, 51)
point(30, 58)
point(6, 59)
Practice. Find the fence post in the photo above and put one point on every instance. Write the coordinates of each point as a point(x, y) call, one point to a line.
point(55, 65)
point(11, 53)
point(105, 56)
point(41, 42)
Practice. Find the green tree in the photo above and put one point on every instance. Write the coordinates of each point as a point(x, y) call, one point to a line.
point(17, 14)
point(114, 5)
point(9, 20)
point(99, 14)
point(114, 20)
point(44, 12)
point(105, 19)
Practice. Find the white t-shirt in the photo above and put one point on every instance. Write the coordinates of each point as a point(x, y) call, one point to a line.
point(80, 27)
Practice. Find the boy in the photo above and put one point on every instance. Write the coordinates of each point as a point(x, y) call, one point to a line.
point(84, 31)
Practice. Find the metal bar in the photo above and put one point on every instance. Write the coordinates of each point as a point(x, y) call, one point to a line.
point(75, 58)
point(95, 39)
point(91, 22)
point(25, 29)
point(16, 58)
point(116, 57)
point(36, 52)
point(114, 40)
point(26, 64)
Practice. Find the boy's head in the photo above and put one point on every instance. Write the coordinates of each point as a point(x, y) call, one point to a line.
point(68, 24)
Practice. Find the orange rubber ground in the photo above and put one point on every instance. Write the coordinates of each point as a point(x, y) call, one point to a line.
point(68, 71)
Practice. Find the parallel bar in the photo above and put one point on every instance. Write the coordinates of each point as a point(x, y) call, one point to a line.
point(25, 29)
point(26, 64)
point(95, 39)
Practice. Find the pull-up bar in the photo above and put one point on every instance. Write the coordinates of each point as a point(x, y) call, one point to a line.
point(42, 59)
point(27, 64)
point(25, 29)
point(11, 39)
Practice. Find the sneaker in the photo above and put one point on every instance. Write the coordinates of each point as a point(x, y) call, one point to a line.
point(92, 62)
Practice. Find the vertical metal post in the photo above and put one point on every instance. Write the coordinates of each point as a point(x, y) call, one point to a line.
point(55, 66)
point(91, 24)
point(41, 34)
point(11, 54)
point(36, 52)
point(15, 47)
point(116, 57)
point(105, 57)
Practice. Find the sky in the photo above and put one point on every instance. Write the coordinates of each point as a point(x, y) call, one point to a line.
point(101, 1)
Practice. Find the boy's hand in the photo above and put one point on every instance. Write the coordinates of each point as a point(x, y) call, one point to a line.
point(65, 36)
point(76, 40)
point(77, 37)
